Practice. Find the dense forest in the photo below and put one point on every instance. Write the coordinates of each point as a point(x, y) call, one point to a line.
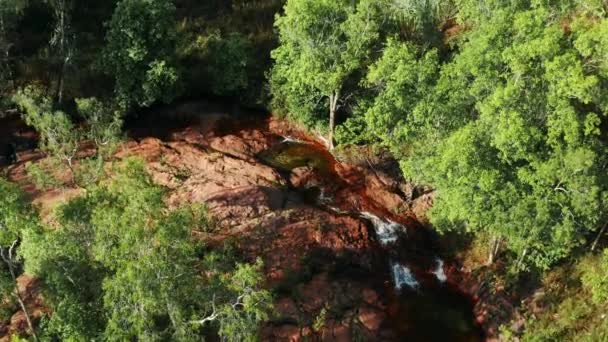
point(495, 108)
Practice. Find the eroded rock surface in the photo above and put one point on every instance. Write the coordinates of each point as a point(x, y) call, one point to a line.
point(304, 247)
point(321, 259)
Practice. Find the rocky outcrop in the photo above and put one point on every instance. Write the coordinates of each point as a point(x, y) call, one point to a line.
point(264, 213)
point(320, 259)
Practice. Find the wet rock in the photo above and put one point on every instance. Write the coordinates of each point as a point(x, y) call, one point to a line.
point(308, 250)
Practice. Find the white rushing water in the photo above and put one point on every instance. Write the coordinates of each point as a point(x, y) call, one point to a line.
point(387, 231)
point(439, 272)
point(289, 139)
point(324, 198)
point(403, 276)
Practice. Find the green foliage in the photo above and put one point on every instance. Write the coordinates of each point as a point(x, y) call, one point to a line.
point(122, 266)
point(321, 44)
point(42, 173)
point(595, 279)
point(139, 52)
point(15, 214)
point(355, 130)
point(104, 125)
point(58, 135)
point(229, 57)
point(244, 304)
point(403, 77)
point(16, 220)
point(60, 138)
point(320, 320)
point(507, 130)
point(569, 312)
point(419, 18)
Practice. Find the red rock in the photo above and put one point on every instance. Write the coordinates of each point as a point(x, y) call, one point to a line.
point(287, 308)
point(371, 318)
point(286, 333)
point(370, 296)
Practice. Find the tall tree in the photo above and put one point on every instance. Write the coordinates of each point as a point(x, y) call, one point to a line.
point(120, 265)
point(322, 43)
point(16, 217)
point(509, 133)
point(10, 10)
point(60, 138)
point(62, 40)
point(139, 52)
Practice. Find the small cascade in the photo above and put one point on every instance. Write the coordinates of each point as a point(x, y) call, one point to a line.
point(402, 259)
point(387, 231)
point(439, 272)
point(403, 276)
point(289, 139)
point(324, 198)
point(337, 210)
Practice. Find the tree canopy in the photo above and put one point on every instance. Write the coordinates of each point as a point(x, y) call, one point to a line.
point(120, 265)
point(321, 44)
point(140, 51)
point(505, 122)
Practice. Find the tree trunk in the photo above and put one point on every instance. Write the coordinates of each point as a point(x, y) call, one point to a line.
point(62, 43)
point(62, 51)
point(494, 249)
point(7, 256)
point(60, 82)
point(25, 312)
point(520, 262)
point(599, 235)
point(333, 106)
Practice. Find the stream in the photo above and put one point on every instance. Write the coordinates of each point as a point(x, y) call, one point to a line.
point(422, 303)
point(424, 306)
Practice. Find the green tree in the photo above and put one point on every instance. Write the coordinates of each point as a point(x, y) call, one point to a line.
point(10, 11)
point(62, 41)
point(595, 279)
point(507, 131)
point(229, 57)
point(526, 167)
point(120, 266)
point(58, 135)
point(322, 43)
point(402, 77)
point(419, 20)
point(60, 138)
point(139, 52)
point(16, 217)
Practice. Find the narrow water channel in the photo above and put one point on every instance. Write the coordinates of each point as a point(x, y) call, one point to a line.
point(424, 305)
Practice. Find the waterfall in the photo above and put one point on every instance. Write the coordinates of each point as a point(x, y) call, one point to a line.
point(439, 272)
point(324, 198)
point(403, 276)
point(387, 231)
point(289, 139)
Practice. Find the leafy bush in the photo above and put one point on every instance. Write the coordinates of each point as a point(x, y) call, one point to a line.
point(140, 51)
point(595, 279)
